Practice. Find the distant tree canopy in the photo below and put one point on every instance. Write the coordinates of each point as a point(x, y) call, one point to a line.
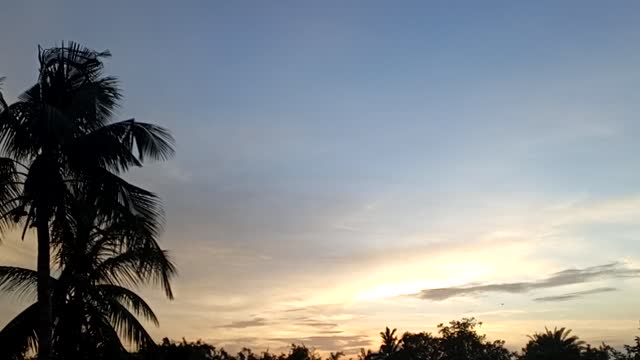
point(458, 340)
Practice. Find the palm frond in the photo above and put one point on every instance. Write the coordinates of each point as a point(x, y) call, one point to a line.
point(19, 335)
point(93, 103)
point(108, 338)
point(45, 184)
point(72, 63)
point(16, 130)
point(128, 232)
point(113, 146)
point(117, 198)
point(102, 148)
point(128, 299)
point(11, 201)
point(65, 233)
point(127, 325)
point(151, 141)
point(92, 338)
point(18, 281)
point(3, 103)
point(137, 267)
point(71, 80)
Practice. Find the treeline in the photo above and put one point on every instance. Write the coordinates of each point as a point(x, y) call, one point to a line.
point(458, 340)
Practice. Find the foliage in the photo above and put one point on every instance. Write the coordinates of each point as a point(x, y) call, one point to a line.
point(456, 341)
point(603, 352)
point(459, 340)
point(631, 352)
point(184, 350)
point(93, 308)
point(390, 344)
point(300, 352)
point(58, 142)
point(420, 346)
point(556, 344)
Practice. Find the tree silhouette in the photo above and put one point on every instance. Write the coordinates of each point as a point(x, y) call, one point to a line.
point(365, 354)
point(56, 139)
point(551, 345)
point(390, 344)
point(631, 352)
point(246, 354)
point(93, 308)
point(459, 340)
point(603, 352)
point(420, 346)
point(300, 352)
point(183, 350)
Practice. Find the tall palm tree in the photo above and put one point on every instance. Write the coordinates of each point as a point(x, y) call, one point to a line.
point(551, 345)
point(58, 138)
point(94, 308)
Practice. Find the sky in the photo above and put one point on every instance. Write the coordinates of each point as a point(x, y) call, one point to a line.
point(346, 166)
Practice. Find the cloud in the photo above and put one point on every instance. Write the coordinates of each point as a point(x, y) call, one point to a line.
point(317, 308)
point(574, 295)
point(347, 343)
point(318, 324)
point(330, 332)
point(257, 321)
point(565, 277)
point(312, 322)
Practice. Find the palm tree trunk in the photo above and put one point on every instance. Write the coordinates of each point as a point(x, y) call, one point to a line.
point(44, 291)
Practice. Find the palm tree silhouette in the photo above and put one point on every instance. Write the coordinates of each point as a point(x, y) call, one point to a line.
point(365, 354)
point(58, 138)
point(551, 345)
point(93, 307)
point(390, 344)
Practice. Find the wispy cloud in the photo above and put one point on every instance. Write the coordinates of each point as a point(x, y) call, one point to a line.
point(257, 321)
point(317, 324)
point(347, 343)
point(574, 295)
point(565, 277)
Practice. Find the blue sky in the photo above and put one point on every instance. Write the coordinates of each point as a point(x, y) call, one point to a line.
point(335, 158)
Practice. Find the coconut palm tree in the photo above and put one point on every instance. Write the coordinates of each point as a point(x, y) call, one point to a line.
point(93, 306)
point(58, 137)
point(390, 344)
point(551, 345)
point(366, 355)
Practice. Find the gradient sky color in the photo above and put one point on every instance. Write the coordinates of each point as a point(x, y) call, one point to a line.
point(343, 166)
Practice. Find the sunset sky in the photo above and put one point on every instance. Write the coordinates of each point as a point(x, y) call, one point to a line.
point(343, 166)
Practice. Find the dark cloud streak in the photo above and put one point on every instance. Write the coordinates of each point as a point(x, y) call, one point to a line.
point(566, 277)
point(312, 322)
point(258, 321)
point(574, 295)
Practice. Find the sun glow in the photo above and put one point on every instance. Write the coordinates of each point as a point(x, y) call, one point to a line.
point(441, 274)
point(390, 290)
